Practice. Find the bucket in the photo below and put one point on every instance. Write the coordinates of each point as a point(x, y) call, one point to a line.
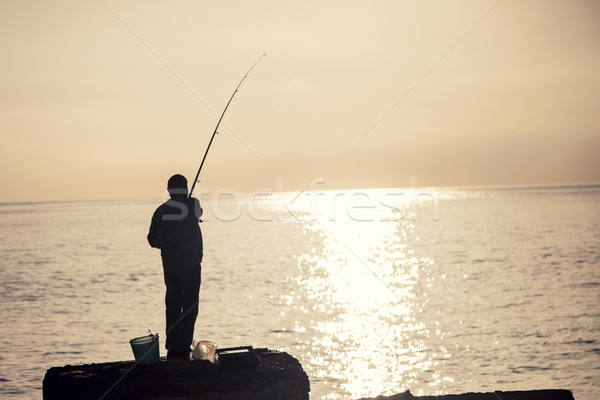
point(145, 349)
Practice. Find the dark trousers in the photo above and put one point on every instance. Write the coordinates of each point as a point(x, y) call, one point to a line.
point(181, 300)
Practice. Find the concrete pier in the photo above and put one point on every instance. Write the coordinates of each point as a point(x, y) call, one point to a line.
point(277, 376)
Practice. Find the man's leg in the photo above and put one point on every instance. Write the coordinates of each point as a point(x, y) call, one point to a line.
point(173, 309)
point(190, 289)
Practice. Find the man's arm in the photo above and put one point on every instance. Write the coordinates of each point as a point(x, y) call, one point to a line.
point(154, 233)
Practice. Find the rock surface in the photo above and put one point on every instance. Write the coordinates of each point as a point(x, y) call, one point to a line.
point(277, 376)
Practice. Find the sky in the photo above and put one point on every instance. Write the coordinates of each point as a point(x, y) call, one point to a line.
point(106, 99)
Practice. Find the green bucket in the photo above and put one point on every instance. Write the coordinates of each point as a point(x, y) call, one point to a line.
point(146, 349)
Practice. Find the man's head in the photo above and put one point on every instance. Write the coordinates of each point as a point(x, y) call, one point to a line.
point(177, 185)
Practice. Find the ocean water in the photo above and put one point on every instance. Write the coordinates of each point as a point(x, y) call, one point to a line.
point(375, 291)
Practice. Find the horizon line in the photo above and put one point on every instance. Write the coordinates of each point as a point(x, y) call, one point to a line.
point(438, 187)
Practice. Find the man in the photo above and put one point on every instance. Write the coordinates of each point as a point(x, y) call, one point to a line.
point(175, 231)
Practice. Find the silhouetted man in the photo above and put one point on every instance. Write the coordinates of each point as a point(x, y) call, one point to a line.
point(176, 232)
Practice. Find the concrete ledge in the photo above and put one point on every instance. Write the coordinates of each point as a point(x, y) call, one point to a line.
point(277, 376)
point(551, 394)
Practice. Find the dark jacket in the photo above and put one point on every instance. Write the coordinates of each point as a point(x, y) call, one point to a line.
point(176, 232)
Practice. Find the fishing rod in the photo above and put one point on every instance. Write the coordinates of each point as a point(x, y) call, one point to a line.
point(218, 123)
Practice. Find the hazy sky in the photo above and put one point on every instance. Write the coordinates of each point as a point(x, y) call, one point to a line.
point(107, 99)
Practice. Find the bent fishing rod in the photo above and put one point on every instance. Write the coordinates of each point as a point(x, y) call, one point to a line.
point(219, 122)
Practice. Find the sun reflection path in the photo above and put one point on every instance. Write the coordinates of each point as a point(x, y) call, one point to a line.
point(370, 340)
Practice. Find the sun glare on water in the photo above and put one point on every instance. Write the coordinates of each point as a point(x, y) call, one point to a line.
point(361, 276)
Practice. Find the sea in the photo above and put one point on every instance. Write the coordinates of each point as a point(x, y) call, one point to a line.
point(375, 291)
